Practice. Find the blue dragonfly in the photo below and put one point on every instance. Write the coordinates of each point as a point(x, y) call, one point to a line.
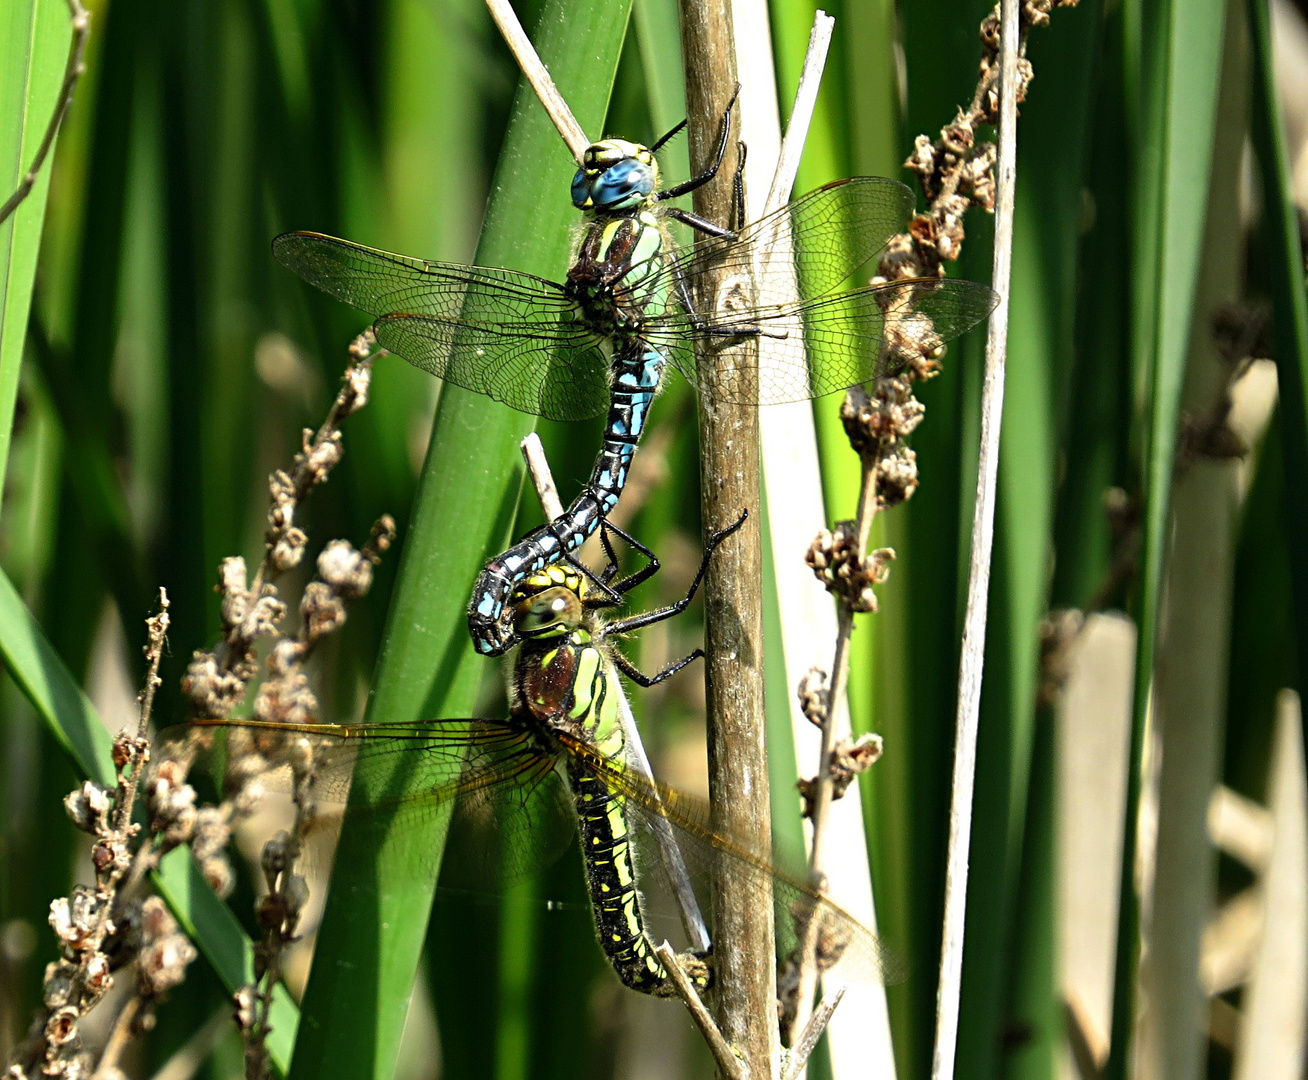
point(602, 339)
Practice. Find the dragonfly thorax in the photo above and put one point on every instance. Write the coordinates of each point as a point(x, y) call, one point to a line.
point(616, 177)
point(610, 279)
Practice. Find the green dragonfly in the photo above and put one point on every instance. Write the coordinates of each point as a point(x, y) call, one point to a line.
point(562, 760)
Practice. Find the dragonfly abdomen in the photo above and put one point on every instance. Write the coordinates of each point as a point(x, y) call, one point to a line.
point(611, 880)
point(637, 369)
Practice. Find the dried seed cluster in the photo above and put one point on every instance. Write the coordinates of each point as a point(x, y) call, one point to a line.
point(102, 928)
point(218, 680)
point(834, 557)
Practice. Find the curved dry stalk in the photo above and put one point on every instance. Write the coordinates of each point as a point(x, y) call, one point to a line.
point(73, 71)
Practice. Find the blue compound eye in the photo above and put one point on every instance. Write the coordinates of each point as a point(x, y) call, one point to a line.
point(580, 190)
point(623, 186)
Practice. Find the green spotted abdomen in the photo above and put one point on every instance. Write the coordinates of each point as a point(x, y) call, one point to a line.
point(611, 879)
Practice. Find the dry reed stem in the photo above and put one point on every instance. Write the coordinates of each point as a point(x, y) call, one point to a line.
point(730, 479)
point(538, 76)
point(972, 663)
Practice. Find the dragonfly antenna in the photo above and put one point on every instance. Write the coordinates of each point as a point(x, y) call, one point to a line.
point(539, 77)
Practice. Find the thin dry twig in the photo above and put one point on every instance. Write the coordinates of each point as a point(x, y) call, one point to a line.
point(538, 467)
point(801, 112)
point(972, 662)
point(730, 1065)
point(73, 71)
point(539, 77)
point(808, 1039)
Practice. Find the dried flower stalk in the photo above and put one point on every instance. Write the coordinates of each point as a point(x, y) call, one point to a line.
point(218, 680)
point(956, 172)
point(103, 928)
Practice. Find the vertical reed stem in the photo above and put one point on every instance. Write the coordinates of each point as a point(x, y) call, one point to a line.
point(729, 467)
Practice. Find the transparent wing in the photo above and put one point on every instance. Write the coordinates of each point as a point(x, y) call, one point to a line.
point(849, 948)
point(381, 282)
point(512, 336)
point(508, 810)
point(555, 371)
point(836, 229)
point(817, 347)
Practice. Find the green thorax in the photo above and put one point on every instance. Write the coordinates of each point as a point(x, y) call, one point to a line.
point(562, 676)
point(615, 277)
point(569, 684)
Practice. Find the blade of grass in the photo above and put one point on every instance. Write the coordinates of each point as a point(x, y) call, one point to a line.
point(1189, 693)
point(1008, 966)
point(972, 661)
point(372, 931)
point(1289, 307)
point(31, 661)
point(1182, 41)
point(36, 33)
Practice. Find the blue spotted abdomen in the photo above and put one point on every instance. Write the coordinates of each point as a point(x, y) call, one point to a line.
point(637, 368)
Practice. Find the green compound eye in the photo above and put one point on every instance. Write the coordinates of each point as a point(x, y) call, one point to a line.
point(555, 610)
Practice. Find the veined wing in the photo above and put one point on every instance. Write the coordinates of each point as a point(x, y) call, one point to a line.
point(508, 811)
point(512, 336)
point(381, 282)
point(852, 951)
point(817, 347)
point(833, 232)
point(554, 370)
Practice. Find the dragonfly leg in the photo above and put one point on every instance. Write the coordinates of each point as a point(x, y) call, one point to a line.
point(738, 189)
point(621, 626)
point(641, 679)
point(614, 592)
point(700, 224)
point(686, 187)
point(652, 567)
point(611, 566)
point(663, 141)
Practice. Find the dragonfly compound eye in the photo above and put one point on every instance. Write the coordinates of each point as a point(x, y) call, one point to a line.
point(614, 175)
point(547, 613)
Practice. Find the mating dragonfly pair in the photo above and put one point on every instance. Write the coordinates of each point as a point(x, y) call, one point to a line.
point(602, 340)
point(629, 307)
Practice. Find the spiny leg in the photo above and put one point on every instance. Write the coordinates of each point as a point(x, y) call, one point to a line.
point(664, 140)
point(738, 188)
point(641, 679)
point(703, 178)
point(613, 593)
point(636, 621)
point(622, 626)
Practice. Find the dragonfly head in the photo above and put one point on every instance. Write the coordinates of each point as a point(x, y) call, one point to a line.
point(615, 176)
point(548, 604)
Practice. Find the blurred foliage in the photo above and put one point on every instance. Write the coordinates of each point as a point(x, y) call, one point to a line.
point(169, 365)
